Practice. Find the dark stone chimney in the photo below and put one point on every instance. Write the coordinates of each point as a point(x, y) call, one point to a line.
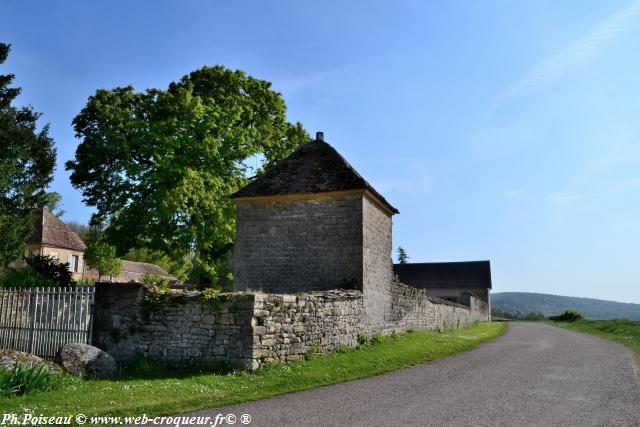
point(319, 136)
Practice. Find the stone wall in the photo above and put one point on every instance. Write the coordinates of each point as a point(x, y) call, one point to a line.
point(187, 329)
point(179, 329)
point(377, 264)
point(287, 327)
point(412, 308)
point(458, 293)
point(289, 246)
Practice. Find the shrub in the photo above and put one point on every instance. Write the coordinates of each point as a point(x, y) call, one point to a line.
point(24, 379)
point(49, 267)
point(567, 316)
point(377, 339)
point(362, 339)
point(155, 280)
point(26, 277)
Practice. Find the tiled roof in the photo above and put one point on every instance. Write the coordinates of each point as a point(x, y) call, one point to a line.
point(51, 231)
point(315, 167)
point(435, 275)
point(132, 271)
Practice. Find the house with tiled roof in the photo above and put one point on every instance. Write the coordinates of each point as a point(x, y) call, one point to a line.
point(52, 237)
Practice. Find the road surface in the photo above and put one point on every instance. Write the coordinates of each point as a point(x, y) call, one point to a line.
point(534, 375)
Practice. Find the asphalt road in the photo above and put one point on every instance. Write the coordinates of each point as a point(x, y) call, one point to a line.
point(534, 375)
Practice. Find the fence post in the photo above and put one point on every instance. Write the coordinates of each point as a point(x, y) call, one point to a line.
point(33, 313)
point(91, 300)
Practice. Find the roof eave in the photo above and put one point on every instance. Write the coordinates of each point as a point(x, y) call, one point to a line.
point(378, 197)
point(58, 246)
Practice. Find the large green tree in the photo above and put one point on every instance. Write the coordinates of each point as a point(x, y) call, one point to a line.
point(27, 161)
point(159, 165)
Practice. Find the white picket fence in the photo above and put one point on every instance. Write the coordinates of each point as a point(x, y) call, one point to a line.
point(41, 320)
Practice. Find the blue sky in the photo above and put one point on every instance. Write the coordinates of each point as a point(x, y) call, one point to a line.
point(501, 130)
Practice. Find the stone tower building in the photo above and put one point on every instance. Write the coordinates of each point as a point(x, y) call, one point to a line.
point(311, 222)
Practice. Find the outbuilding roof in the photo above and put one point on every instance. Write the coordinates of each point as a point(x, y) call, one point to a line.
point(51, 231)
point(437, 275)
point(132, 271)
point(315, 167)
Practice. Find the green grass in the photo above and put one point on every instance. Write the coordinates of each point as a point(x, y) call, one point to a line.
point(160, 393)
point(626, 332)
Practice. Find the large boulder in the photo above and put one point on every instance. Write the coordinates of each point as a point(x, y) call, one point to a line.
point(10, 358)
point(87, 361)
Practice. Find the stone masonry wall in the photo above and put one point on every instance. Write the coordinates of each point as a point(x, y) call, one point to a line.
point(186, 329)
point(287, 327)
point(299, 245)
point(458, 293)
point(377, 264)
point(179, 330)
point(413, 308)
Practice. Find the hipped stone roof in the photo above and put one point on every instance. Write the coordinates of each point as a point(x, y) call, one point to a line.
point(315, 167)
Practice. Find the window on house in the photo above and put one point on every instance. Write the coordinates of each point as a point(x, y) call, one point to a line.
point(75, 263)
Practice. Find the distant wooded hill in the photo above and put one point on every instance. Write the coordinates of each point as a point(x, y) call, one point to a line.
point(554, 304)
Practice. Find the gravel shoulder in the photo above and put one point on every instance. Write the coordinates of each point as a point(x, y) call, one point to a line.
point(534, 375)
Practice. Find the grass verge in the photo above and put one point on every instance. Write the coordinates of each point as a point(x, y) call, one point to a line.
point(168, 392)
point(626, 332)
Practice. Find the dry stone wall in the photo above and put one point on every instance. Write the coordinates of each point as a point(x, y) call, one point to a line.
point(287, 327)
point(179, 330)
point(187, 329)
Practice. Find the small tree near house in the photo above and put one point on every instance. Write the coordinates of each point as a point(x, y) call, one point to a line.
point(402, 255)
point(102, 257)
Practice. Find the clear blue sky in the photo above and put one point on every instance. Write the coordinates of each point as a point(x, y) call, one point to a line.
point(501, 130)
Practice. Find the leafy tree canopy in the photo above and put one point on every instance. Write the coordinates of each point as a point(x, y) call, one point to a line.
point(27, 161)
point(159, 165)
point(53, 202)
